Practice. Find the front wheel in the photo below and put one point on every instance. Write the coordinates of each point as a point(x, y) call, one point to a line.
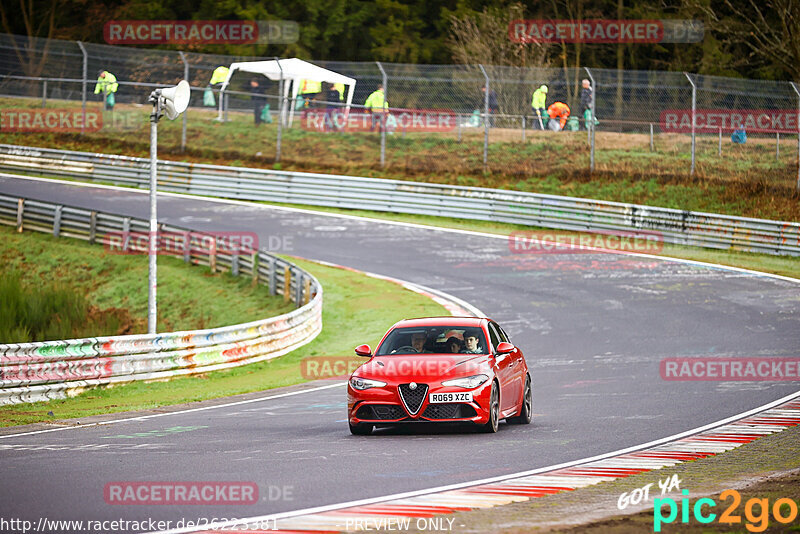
point(360, 429)
point(526, 411)
point(494, 412)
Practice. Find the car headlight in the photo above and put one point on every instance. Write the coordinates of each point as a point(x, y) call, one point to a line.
point(361, 384)
point(469, 382)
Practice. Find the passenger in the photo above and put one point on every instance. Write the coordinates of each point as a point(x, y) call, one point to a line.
point(453, 344)
point(471, 343)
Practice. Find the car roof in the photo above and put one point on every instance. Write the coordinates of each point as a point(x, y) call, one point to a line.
point(448, 320)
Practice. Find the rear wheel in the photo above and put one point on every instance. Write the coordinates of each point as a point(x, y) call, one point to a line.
point(494, 411)
point(526, 411)
point(360, 429)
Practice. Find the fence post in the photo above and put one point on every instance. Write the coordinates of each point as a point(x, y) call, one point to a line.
point(652, 146)
point(523, 128)
point(591, 121)
point(183, 126)
point(281, 112)
point(485, 120)
point(797, 185)
point(57, 221)
point(777, 146)
point(383, 121)
point(694, 117)
point(20, 210)
point(83, 85)
point(44, 94)
point(719, 149)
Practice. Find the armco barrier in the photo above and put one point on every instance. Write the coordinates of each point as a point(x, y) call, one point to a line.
point(547, 211)
point(31, 372)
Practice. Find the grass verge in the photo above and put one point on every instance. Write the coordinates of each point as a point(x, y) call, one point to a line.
point(355, 312)
point(189, 297)
point(746, 180)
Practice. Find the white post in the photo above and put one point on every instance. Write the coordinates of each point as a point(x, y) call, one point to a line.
point(153, 243)
point(694, 114)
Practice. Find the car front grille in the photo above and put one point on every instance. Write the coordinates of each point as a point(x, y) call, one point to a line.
point(380, 412)
point(449, 411)
point(413, 398)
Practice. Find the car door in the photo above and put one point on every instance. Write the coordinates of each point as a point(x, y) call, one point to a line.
point(516, 372)
point(504, 370)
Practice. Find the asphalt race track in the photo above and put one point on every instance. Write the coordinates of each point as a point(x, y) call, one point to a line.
point(593, 328)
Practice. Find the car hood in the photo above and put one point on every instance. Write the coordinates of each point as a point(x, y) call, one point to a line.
point(423, 367)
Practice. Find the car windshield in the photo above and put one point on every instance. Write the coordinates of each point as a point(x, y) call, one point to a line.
point(434, 340)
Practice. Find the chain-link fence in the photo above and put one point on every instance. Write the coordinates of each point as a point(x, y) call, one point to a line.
point(470, 121)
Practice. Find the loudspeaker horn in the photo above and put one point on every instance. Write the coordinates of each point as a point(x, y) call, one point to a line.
point(176, 99)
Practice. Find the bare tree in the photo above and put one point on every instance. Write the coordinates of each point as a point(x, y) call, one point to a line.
point(769, 29)
point(39, 21)
point(511, 66)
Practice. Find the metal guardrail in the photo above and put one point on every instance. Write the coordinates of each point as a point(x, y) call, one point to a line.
point(531, 209)
point(31, 372)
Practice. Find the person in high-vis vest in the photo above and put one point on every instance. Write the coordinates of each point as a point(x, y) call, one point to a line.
point(377, 105)
point(106, 84)
point(218, 77)
point(339, 89)
point(309, 89)
point(538, 103)
point(559, 110)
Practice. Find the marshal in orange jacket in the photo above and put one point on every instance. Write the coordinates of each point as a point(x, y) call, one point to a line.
point(559, 110)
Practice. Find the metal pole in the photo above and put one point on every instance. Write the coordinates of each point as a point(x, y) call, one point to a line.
point(281, 112)
point(652, 146)
point(153, 244)
point(383, 121)
point(694, 117)
point(797, 185)
point(523, 128)
point(777, 146)
point(719, 149)
point(485, 120)
point(591, 121)
point(83, 85)
point(185, 77)
point(44, 93)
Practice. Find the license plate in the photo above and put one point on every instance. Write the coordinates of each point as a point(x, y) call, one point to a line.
point(438, 398)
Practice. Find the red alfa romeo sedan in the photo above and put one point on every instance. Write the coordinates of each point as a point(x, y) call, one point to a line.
point(440, 369)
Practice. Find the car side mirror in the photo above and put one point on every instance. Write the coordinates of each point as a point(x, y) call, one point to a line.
point(505, 348)
point(364, 350)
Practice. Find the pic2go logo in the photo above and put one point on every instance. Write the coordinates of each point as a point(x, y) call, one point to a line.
point(756, 511)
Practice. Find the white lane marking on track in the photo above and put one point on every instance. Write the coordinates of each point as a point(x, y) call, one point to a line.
point(394, 223)
point(190, 410)
point(374, 500)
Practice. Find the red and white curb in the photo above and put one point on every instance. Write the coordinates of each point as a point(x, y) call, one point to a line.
point(370, 514)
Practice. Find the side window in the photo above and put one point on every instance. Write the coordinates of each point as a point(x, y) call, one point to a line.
point(501, 333)
point(494, 338)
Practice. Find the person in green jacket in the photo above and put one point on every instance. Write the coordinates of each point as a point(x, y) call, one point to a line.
point(376, 103)
point(539, 104)
point(106, 84)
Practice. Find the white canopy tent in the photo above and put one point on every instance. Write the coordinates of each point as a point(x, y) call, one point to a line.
point(294, 70)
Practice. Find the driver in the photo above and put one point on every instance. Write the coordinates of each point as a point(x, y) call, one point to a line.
point(418, 341)
point(471, 343)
